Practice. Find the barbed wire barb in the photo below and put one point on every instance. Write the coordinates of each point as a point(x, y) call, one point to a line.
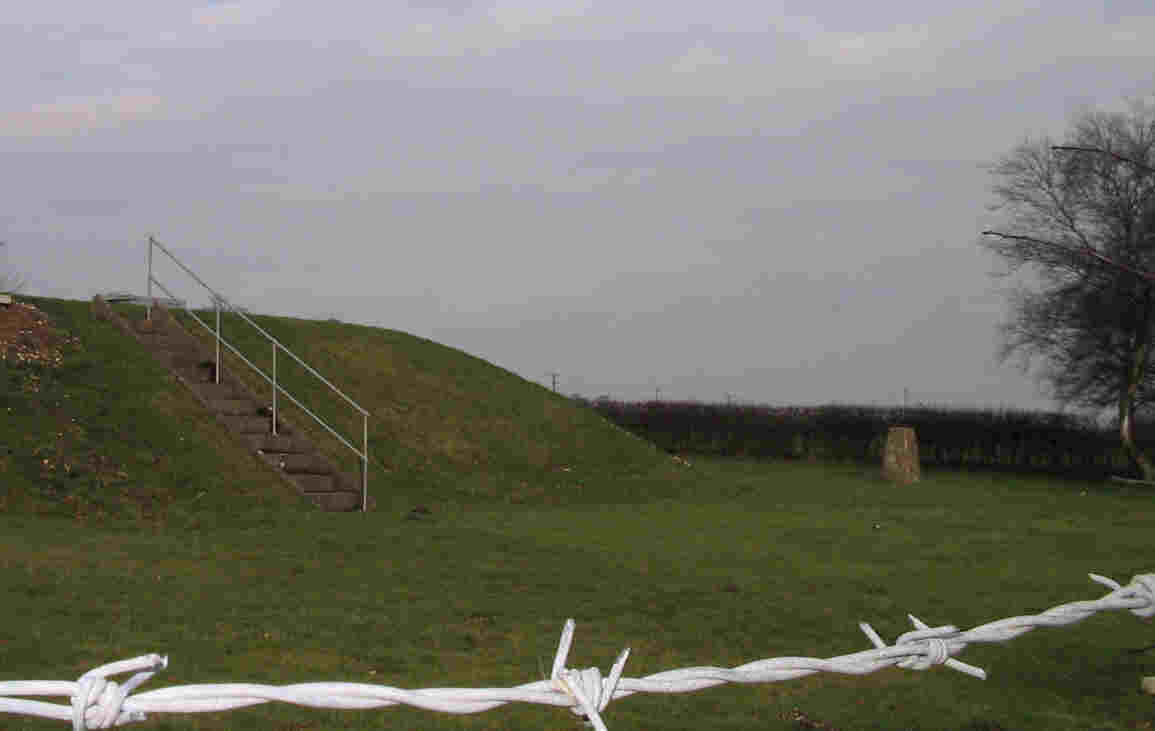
point(591, 693)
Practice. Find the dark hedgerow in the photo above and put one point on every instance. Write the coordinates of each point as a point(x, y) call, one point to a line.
point(998, 439)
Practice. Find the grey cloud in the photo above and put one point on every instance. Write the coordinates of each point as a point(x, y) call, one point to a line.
point(87, 208)
point(839, 15)
point(1115, 11)
point(454, 7)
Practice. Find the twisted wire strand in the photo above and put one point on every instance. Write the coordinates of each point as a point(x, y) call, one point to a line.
point(98, 703)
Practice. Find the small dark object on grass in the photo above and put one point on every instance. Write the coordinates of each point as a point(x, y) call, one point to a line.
point(805, 721)
point(418, 513)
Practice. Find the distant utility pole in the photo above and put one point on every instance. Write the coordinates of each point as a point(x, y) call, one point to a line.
point(554, 375)
point(729, 398)
point(657, 394)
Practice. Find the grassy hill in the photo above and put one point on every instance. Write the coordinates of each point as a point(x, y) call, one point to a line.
point(104, 430)
point(95, 429)
point(131, 526)
point(440, 419)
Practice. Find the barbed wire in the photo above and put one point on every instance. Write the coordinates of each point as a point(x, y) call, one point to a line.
point(98, 703)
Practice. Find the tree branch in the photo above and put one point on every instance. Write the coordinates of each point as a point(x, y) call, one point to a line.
point(1073, 148)
point(1106, 260)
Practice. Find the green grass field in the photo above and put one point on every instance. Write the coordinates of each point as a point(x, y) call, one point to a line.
point(173, 540)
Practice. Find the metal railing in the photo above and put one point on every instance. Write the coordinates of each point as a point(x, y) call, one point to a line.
point(218, 301)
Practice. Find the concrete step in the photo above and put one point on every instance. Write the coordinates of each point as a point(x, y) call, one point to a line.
point(155, 327)
point(281, 443)
point(247, 424)
point(184, 358)
point(234, 407)
point(339, 502)
point(211, 391)
point(314, 483)
point(348, 481)
point(299, 464)
point(169, 344)
point(199, 376)
point(162, 339)
point(319, 489)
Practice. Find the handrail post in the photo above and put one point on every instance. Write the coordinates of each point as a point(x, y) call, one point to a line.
point(148, 307)
point(364, 463)
point(274, 389)
point(217, 367)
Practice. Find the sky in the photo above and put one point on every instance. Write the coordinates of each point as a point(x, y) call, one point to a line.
point(771, 201)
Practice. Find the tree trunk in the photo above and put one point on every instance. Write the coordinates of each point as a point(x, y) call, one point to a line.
point(1127, 410)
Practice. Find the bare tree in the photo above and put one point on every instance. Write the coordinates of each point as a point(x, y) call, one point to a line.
point(1082, 215)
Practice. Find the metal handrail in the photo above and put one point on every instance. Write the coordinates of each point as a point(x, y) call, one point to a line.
point(219, 300)
point(268, 378)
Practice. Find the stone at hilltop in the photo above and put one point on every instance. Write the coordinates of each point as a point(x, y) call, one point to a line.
point(900, 460)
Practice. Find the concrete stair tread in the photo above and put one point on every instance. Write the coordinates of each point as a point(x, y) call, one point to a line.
point(298, 464)
point(280, 443)
point(162, 340)
point(210, 391)
point(153, 331)
point(315, 483)
point(246, 424)
point(199, 377)
point(185, 360)
point(170, 350)
point(338, 502)
point(179, 351)
point(234, 407)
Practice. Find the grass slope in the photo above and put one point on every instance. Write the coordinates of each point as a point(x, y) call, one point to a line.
point(107, 435)
point(715, 563)
point(442, 423)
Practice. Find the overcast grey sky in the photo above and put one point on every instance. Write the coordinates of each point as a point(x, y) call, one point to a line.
point(774, 199)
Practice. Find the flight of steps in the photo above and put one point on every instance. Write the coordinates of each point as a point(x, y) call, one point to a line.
point(289, 453)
